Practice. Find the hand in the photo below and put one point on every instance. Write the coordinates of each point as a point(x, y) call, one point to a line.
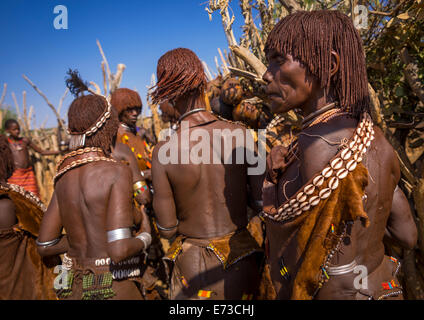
point(144, 197)
point(144, 221)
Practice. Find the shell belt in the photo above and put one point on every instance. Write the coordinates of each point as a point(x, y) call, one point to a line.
point(339, 167)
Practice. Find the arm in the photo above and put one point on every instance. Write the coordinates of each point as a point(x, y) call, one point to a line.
point(33, 146)
point(255, 182)
point(123, 152)
point(163, 198)
point(401, 226)
point(7, 213)
point(120, 215)
point(51, 229)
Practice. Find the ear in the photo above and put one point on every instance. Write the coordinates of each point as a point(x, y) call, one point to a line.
point(335, 63)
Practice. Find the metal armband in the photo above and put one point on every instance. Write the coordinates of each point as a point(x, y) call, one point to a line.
point(47, 243)
point(167, 229)
point(118, 234)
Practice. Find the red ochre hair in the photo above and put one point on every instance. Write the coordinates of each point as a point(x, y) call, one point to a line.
point(7, 165)
point(179, 72)
point(123, 99)
point(85, 111)
point(309, 37)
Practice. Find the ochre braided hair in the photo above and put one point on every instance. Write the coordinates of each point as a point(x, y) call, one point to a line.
point(179, 72)
point(7, 165)
point(309, 37)
point(85, 111)
point(124, 98)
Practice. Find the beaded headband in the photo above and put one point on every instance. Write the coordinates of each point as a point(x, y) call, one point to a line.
point(78, 138)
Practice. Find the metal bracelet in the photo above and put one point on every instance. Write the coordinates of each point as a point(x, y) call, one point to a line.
point(167, 229)
point(340, 270)
point(118, 234)
point(47, 243)
point(146, 238)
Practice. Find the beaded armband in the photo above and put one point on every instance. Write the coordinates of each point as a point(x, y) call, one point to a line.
point(139, 187)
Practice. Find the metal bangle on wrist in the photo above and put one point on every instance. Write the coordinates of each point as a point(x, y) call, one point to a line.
point(47, 244)
point(146, 238)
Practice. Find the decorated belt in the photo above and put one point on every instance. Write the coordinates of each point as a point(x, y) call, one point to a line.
point(129, 268)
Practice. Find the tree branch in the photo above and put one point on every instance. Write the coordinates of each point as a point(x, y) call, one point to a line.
point(45, 98)
point(290, 5)
point(109, 74)
point(3, 95)
point(250, 59)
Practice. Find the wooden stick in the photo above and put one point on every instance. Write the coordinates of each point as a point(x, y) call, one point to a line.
point(117, 77)
point(30, 116)
point(96, 86)
point(224, 63)
point(61, 101)
point(104, 78)
point(109, 74)
point(25, 113)
point(246, 74)
point(45, 98)
point(18, 111)
point(207, 72)
point(3, 95)
point(250, 59)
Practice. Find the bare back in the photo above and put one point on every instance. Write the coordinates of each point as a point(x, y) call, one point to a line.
point(210, 199)
point(83, 198)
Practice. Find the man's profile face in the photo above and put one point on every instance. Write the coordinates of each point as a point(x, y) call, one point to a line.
point(288, 84)
point(14, 130)
point(130, 116)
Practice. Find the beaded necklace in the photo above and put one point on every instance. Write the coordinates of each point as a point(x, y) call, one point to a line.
point(17, 145)
point(80, 162)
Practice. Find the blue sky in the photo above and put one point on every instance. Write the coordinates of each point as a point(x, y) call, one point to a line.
point(132, 32)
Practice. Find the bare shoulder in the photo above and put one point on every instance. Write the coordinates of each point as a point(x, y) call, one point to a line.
point(6, 204)
point(230, 125)
point(122, 151)
point(320, 143)
point(110, 171)
point(157, 148)
point(382, 152)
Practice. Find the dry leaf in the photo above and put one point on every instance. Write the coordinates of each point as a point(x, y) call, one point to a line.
point(404, 16)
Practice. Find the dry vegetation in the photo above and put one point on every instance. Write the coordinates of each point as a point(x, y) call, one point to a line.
point(393, 44)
